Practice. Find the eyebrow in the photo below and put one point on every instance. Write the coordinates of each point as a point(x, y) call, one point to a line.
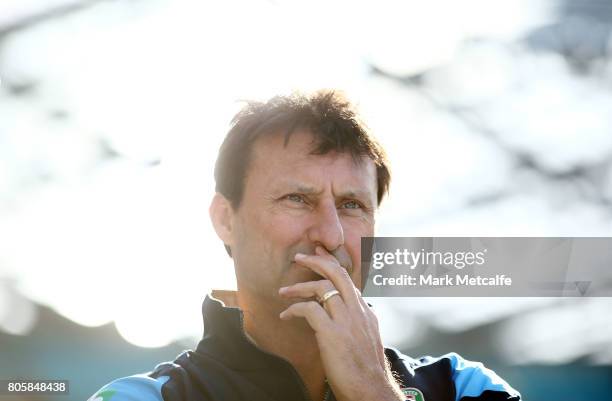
point(355, 194)
point(309, 190)
point(305, 189)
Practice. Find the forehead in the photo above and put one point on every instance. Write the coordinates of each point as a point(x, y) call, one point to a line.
point(276, 160)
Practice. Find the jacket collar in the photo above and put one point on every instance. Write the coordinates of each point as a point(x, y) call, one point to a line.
point(225, 339)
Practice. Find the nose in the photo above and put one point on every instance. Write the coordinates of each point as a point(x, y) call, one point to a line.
point(326, 228)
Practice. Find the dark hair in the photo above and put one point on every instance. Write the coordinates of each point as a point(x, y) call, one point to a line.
point(330, 117)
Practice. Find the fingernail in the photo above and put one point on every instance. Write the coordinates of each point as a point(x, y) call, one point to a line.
point(300, 256)
point(282, 289)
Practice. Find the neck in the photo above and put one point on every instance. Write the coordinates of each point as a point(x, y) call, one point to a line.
point(293, 340)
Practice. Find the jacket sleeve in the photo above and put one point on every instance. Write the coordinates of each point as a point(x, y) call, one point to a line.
point(132, 388)
point(474, 382)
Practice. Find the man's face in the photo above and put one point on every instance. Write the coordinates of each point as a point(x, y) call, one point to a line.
point(294, 201)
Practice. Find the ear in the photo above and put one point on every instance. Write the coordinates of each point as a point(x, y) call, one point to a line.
point(222, 216)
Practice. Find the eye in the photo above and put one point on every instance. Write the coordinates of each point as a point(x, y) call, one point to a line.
point(295, 198)
point(351, 205)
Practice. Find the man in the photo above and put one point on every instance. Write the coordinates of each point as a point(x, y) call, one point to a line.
point(298, 182)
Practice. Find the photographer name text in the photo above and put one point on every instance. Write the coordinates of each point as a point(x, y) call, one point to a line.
point(430, 280)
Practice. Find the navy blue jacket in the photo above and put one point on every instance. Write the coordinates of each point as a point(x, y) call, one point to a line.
point(227, 366)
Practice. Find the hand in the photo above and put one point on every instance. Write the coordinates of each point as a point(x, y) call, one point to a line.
point(346, 330)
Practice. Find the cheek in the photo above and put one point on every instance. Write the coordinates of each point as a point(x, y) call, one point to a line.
point(353, 232)
point(272, 235)
point(286, 223)
point(353, 247)
point(355, 229)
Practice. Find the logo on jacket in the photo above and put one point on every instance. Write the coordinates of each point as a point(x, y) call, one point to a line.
point(102, 395)
point(413, 394)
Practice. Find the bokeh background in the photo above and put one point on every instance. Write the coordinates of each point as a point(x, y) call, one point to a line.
point(497, 117)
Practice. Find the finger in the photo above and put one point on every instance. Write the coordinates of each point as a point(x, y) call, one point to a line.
point(334, 305)
point(326, 265)
point(314, 314)
point(362, 301)
point(340, 252)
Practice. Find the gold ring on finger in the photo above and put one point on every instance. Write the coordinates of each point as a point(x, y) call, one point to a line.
point(328, 295)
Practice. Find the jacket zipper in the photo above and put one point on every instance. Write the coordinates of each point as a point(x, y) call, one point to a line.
point(295, 373)
point(326, 396)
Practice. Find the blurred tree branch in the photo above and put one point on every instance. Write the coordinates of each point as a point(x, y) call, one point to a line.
point(40, 15)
